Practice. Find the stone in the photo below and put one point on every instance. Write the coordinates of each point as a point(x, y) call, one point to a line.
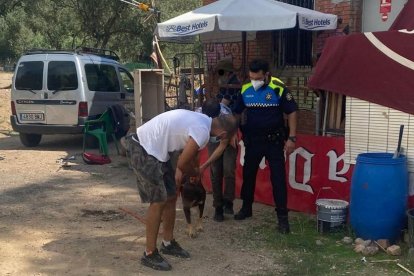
point(394, 250)
point(347, 240)
point(358, 248)
point(367, 242)
point(384, 243)
point(359, 241)
point(370, 250)
point(319, 242)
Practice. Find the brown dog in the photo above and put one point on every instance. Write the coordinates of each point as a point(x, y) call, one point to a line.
point(193, 194)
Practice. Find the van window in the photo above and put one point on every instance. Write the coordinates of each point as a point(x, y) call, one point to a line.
point(29, 75)
point(102, 77)
point(127, 80)
point(61, 75)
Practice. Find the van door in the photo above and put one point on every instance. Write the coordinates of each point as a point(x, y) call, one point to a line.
point(103, 88)
point(127, 86)
point(127, 81)
point(63, 94)
point(27, 92)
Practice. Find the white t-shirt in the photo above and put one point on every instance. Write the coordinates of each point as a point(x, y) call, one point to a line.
point(171, 130)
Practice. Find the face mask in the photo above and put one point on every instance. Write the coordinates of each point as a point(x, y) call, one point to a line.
point(257, 84)
point(214, 139)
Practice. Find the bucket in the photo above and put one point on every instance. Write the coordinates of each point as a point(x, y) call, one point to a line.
point(379, 190)
point(331, 214)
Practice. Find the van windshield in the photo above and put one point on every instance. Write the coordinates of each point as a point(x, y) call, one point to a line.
point(102, 78)
point(29, 75)
point(61, 75)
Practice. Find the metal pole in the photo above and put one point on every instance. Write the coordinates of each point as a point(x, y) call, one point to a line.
point(192, 82)
point(244, 55)
point(318, 115)
point(325, 115)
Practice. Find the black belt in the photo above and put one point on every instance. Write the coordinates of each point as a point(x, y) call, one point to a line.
point(273, 137)
point(265, 132)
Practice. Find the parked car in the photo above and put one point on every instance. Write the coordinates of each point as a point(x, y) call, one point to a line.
point(55, 92)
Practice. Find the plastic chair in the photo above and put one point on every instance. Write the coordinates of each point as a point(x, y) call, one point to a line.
point(101, 128)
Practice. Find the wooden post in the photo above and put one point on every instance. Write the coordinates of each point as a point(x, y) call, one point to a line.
point(192, 83)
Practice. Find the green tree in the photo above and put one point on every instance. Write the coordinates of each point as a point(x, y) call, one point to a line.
point(171, 9)
point(56, 24)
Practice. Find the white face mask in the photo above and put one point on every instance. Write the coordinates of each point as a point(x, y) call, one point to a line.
point(257, 84)
point(215, 139)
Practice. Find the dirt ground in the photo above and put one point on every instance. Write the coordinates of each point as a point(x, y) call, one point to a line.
point(68, 218)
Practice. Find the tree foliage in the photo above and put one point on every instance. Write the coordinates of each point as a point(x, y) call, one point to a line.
point(108, 24)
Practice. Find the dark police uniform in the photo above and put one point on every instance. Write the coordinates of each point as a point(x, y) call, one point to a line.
point(264, 136)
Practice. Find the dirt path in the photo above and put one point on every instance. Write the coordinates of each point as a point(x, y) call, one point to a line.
point(5, 80)
point(58, 220)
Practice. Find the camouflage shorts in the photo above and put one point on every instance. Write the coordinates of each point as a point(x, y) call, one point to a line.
point(155, 179)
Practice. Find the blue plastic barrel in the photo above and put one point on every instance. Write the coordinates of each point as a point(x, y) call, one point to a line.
point(379, 191)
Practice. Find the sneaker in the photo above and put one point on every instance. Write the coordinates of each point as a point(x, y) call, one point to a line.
point(218, 214)
point(174, 249)
point(243, 214)
point(228, 208)
point(155, 261)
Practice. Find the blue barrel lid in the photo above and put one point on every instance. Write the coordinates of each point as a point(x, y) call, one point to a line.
point(380, 158)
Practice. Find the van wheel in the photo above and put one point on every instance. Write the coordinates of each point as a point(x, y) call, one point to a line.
point(29, 139)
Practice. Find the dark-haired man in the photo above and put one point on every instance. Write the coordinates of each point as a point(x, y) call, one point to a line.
point(265, 100)
point(222, 161)
point(149, 152)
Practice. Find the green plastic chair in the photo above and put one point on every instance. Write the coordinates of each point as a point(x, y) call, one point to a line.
point(101, 128)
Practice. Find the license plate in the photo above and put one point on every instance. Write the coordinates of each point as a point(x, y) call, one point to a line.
point(32, 116)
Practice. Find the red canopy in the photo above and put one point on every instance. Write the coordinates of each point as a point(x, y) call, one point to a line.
point(376, 67)
point(405, 19)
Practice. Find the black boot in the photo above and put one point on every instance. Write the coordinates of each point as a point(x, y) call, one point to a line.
point(283, 225)
point(245, 212)
point(228, 208)
point(283, 221)
point(218, 214)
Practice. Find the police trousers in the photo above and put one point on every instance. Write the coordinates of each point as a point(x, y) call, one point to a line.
point(258, 147)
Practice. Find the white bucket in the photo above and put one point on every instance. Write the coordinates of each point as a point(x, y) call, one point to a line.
point(331, 214)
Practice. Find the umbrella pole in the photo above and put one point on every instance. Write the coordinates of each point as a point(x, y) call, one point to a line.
point(325, 115)
point(244, 55)
point(192, 83)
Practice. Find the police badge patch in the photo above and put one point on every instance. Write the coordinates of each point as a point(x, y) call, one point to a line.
point(268, 96)
point(289, 96)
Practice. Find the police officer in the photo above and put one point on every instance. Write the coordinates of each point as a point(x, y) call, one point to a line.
point(263, 101)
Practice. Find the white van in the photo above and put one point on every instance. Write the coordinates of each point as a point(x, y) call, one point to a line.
point(54, 92)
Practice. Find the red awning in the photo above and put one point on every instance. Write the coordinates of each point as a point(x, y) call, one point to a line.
point(376, 67)
point(405, 19)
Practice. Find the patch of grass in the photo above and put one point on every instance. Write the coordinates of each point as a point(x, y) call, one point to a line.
point(300, 254)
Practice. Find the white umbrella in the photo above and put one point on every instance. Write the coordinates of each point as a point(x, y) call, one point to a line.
point(227, 18)
point(244, 15)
